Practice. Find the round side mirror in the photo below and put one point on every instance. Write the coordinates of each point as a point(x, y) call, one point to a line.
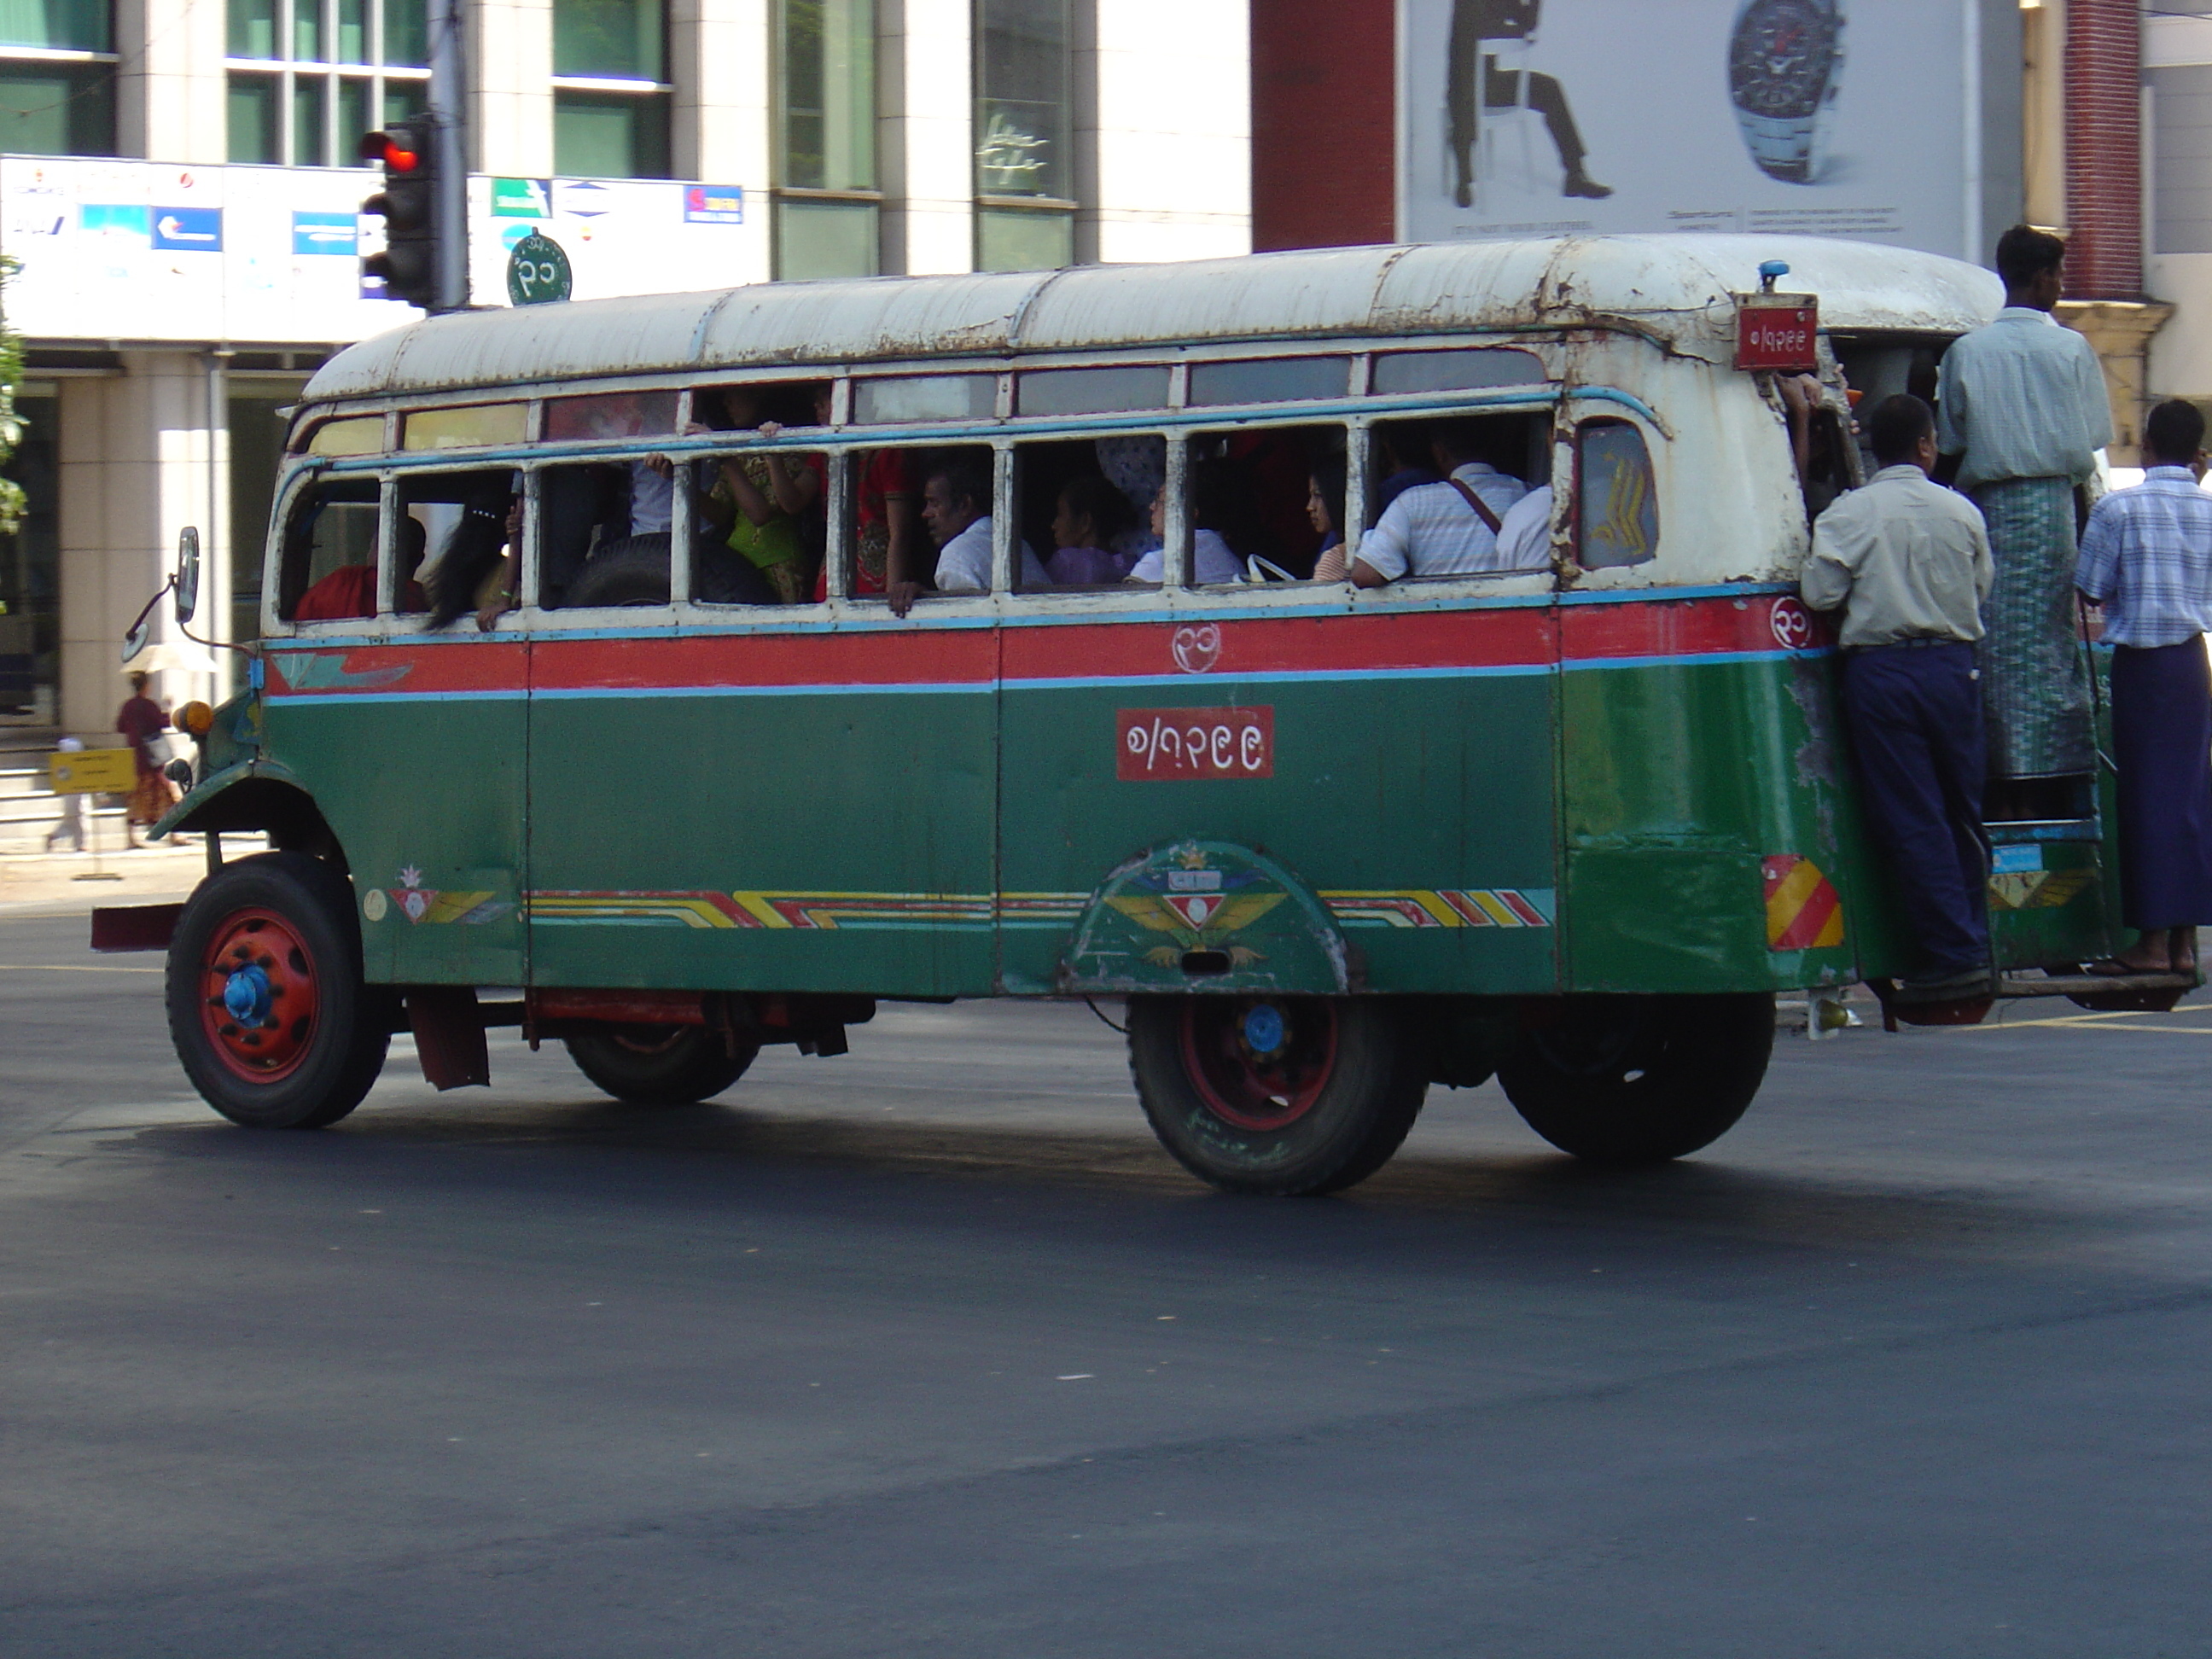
point(135, 640)
point(188, 573)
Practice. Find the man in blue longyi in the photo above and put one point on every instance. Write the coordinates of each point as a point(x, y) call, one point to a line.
point(2021, 411)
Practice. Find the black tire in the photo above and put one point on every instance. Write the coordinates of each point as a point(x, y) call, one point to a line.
point(633, 570)
point(289, 918)
point(1322, 1108)
point(1627, 1080)
point(660, 1065)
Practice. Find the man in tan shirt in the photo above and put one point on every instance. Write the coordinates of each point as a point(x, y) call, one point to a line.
point(1908, 563)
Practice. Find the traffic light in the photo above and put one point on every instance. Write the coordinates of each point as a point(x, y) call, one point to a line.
point(409, 206)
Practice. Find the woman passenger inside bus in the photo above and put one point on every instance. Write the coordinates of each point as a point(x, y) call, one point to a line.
point(1325, 508)
point(762, 505)
point(1091, 517)
point(1213, 511)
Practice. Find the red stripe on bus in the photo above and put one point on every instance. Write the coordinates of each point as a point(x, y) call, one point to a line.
point(922, 657)
point(1690, 628)
point(482, 666)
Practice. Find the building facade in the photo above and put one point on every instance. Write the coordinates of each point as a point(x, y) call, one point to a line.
point(176, 189)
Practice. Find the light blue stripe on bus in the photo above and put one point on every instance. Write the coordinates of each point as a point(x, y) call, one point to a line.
point(301, 699)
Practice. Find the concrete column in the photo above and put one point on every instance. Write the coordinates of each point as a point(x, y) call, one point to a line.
point(511, 76)
point(2121, 331)
point(1174, 134)
point(133, 472)
point(929, 208)
point(720, 62)
point(169, 85)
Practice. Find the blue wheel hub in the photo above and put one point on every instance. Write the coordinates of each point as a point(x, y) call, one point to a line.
point(246, 996)
point(1264, 1030)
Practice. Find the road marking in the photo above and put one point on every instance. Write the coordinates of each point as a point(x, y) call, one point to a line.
point(2095, 1021)
point(74, 968)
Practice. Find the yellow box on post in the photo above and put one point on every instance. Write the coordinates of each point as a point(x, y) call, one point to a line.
point(93, 771)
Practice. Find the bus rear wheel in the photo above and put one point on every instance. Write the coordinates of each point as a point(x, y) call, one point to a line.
point(1276, 1095)
point(1628, 1080)
point(660, 1065)
point(266, 1005)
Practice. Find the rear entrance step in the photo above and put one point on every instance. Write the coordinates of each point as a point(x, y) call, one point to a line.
point(2131, 994)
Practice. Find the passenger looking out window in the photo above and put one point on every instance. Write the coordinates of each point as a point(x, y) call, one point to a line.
point(1449, 528)
point(350, 590)
point(1325, 510)
point(1091, 521)
point(1213, 505)
point(956, 506)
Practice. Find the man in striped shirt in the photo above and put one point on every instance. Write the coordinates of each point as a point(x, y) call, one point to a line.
point(1445, 529)
point(2146, 559)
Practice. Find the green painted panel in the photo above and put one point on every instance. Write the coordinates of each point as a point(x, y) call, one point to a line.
point(1421, 810)
point(425, 797)
point(794, 841)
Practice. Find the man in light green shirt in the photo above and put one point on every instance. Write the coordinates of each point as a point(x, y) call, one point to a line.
point(1908, 563)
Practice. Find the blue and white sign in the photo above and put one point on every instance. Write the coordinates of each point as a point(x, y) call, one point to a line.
point(713, 205)
point(188, 230)
point(326, 233)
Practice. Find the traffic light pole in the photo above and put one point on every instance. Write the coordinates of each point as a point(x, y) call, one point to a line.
point(449, 93)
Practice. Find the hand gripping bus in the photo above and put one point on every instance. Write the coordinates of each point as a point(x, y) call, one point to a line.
point(600, 660)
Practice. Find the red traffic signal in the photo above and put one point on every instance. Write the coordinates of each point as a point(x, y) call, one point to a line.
point(394, 152)
point(408, 205)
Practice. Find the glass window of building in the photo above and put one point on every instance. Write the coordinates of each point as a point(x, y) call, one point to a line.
point(610, 89)
point(308, 77)
point(1024, 172)
point(57, 77)
point(827, 199)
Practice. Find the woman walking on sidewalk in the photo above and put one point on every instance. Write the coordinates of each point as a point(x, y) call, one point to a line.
point(140, 722)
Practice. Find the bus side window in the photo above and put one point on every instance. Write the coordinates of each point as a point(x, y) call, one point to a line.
point(759, 517)
point(1616, 501)
point(327, 571)
point(1085, 506)
point(469, 525)
point(603, 533)
point(952, 488)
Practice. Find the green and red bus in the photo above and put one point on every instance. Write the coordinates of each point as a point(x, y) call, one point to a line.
point(1574, 826)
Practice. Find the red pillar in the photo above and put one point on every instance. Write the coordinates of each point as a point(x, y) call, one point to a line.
point(1324, 130)
point(2104, 149)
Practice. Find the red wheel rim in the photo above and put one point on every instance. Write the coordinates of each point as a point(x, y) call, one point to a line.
point(1258, 1063)
point(257, 994)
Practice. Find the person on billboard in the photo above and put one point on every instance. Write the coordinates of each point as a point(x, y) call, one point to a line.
point(2020, 413)
point(1907, 562)
point(1474, 24)
point(2146, 559)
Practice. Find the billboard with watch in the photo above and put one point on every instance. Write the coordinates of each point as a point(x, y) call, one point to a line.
point(1884, 120)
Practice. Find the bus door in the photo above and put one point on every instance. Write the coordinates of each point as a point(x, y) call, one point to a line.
point(408, 734)
point(751, 790)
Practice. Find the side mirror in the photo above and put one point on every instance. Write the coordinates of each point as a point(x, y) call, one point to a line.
point(188, 573)
point(135, 640)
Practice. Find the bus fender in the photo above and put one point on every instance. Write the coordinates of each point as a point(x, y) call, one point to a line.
point(1206, 915)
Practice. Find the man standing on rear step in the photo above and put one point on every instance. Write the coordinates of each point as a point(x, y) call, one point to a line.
point(2022, 412)
point(1908, 563)
point(1474, 24)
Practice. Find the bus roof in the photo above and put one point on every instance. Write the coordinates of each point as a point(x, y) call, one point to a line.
point(1675, 287)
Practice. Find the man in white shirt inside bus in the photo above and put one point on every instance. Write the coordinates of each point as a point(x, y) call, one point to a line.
point(956, 505)
point(1444, 529)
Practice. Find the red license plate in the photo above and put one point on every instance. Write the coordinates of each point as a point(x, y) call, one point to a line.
point(1166, 743)
point(1784, 338)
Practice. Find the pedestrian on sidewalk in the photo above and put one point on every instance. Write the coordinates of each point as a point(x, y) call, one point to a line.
point(1908, 563)
point(71, 827)
point(2146, 559)
point(141, 721)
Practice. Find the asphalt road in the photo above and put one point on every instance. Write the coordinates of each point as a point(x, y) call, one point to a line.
point(928, 1349)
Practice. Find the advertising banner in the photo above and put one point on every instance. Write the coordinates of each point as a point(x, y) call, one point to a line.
point(146, 251)
point(1862, 119)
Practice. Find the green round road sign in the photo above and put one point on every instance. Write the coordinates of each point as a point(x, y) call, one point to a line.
point(537, 272)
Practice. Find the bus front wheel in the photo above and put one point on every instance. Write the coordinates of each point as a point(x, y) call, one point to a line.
point(266, 1004)
point(1276, 1095)
point(1631, 1079)
point(660, 1065)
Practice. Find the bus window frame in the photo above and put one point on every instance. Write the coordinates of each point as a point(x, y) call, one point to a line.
point(530, 613)
point(310, 473)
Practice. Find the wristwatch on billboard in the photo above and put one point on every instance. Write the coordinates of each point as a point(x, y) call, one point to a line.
point(1785, 62)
